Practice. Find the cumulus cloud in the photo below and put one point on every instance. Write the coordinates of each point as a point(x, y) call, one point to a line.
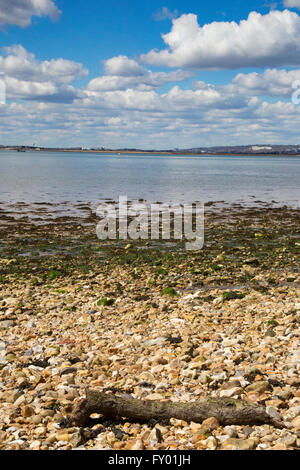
point(40, 91)
point(19, 12)
point(126, 107)
point(17, 62)
point(260, 41)
point(122, 73)
point(272, 82)
point(122, 66)
point(27, 77)
point(179, 118)
point(187, 103)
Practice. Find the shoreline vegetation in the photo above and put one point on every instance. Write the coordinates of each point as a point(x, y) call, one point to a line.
point(149, 321)
point(207, 152)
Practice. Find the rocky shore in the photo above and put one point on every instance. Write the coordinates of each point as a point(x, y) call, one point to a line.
point(152, 321)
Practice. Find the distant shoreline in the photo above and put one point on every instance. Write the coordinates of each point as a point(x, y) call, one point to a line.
point(145, 152)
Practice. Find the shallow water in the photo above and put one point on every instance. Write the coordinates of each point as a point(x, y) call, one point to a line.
point(64, 178)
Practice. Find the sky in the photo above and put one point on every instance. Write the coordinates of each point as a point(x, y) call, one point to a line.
point(149, 74)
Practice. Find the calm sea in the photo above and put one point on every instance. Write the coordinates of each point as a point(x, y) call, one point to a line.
point(70, 178)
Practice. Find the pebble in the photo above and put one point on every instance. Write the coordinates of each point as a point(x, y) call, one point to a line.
point(27, 411)
point(231, 431)
point(155, 437)
point(209, 425)
point(138, 445)
point(239, 444)
point(259, 387)
point(231, 392)
point(289, 440)
point(271, 411)
point(296, 423)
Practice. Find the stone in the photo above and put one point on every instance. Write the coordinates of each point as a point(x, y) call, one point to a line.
point(279, 446)
point(195, 427)
point(211, 443)
point(289, 440)
point(286, 394)
point(155, 342)
point(6, 324)
point(231, 392)
point(13, 396)
point(271, 411)
point(231, 431)
point(175, 364)
point(11, 357)
point(199, 437)
point(239, 444)
point(146, 376)
point(270, 333)
point(64, 437)
point(68, 370)
point(27, 411)
point(19, 401)
point(45, 413)
point(259, 387)
point(154, 396)
point(138, 445)
point(247, 431)
point(230, 385)
point(119, 445)
point(294, 411)
point(296, 423)
point(76, 439)
point(209, 425)
point(36, 419)
point(35, 445)
point(155, 437)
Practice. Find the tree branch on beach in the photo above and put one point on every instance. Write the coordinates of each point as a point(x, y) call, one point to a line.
point(226, 410)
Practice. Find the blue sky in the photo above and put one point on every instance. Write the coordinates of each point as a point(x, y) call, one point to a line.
point(93, 30)
point(99, 73)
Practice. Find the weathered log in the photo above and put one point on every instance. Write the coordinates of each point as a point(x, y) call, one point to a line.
point(225, 410)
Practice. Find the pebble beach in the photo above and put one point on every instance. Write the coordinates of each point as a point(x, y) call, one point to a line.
point(152, 321)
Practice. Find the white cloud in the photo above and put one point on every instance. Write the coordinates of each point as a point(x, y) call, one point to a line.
point(122, 73)
point(19, 12)
point(40, 91)
point(145, 82)
point(164, 13)
point(272, 82)
point(122, 66)
point(179, 118)
point(259, 41)
point(176, 102)
point(128, 109)
point(291, 3)
point(28, 78)
point(19, 63)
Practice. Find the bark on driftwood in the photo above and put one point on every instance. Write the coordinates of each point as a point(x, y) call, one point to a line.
point(225, 410)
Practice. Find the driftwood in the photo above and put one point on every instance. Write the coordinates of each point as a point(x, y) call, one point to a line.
point(225, 410)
